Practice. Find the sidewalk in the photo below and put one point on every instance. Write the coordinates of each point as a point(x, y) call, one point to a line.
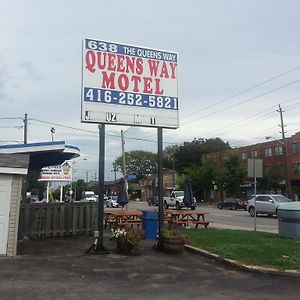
point(58, 269)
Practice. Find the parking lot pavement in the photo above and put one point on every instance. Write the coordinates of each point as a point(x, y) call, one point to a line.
point(58, 269)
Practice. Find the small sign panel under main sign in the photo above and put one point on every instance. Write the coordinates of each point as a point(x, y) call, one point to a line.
point(129, 85)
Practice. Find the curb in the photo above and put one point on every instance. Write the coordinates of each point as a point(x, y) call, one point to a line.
point(237, 264)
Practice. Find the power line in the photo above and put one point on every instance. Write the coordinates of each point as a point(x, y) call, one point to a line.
point(11, 118)
point(18, 127)
point(254, 119)
point(93, 132)
point(245, 91)
point(242, 102)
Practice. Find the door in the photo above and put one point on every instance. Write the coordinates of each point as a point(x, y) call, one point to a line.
point(5, 196)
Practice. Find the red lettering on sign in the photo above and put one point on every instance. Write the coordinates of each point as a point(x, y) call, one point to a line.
point(147, 85)
point(158, 91)
point(90, 60)
point(136, 80)
point(120, 63)
point(173, 68)
point(164, 70)
point(108, 81)
point(153, 66)
point(123, 82)
point(111, 64)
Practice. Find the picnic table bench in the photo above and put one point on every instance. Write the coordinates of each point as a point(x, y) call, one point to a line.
point(188, 217)
point(123, 218)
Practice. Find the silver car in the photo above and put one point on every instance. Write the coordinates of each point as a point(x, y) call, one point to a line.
point(266, 204)
point(112, 202)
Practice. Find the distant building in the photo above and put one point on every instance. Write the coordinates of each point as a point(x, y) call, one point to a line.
point(274, 154)
point(149, 184)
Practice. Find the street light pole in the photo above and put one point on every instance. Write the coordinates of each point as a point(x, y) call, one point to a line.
point(72, 175)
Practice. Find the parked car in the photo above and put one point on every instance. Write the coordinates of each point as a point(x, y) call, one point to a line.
point(153, 201)
point(176, 199)
point(112, 202)
point(233, 203)
point(32, 199)
point(88, 196)
point(266, 204)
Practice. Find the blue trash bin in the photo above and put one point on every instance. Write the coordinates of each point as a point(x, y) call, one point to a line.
point(150, 224)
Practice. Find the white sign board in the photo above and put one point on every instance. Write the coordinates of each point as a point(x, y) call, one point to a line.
point(255, 168)
point(56, 173)
point(129, 85)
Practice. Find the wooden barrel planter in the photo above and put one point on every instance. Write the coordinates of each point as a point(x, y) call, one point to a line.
point(125, 248)
point(173, 245)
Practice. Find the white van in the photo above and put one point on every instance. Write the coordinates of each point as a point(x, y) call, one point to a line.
point(88, 196)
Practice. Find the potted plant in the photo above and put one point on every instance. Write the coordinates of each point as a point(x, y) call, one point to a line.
point(127, 240)
point(173, 241)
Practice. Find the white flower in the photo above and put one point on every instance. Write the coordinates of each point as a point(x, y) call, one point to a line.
point(118, 233)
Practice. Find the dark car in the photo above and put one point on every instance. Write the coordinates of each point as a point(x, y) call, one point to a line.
point(233, 203)
point(153, 201)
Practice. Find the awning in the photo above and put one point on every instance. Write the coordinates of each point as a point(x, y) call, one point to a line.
point(43, 154)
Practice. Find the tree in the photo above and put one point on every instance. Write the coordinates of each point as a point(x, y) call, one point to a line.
point(190, 153)
point(271, 180)
point(203, 177)
point(169, 157)
point(234, 173)
point(138, 162)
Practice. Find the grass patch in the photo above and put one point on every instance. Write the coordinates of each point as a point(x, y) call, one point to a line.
point(253, 248)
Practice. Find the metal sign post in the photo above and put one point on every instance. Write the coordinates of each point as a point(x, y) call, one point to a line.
point(99, 245)
point(160, 186)
point(128, 85)
point(255, 171)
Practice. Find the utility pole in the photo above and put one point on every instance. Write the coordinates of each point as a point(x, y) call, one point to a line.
point(286, 168)
point(25, 128)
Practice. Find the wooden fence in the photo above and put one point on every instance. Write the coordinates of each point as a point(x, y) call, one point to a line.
point(58, 219)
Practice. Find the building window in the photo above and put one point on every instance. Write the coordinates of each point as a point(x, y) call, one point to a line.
point(254, 153)
point(244, 155)
point(278, 150)
point(296, 148)
point(296, 168)
point(268, 152)
point(275, 171)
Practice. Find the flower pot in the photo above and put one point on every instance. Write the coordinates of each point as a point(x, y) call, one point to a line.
point(173, 245)
point(124, 247)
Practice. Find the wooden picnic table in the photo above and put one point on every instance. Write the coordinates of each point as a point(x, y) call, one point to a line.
point(187, 217)
point(122, 218)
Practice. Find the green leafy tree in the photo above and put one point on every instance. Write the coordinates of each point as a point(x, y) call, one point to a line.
point(169, 157)
point(203, 177)
point(190, 153)
point(234, 173)
point(79, 186)
point(138, 162)
point(271, 179)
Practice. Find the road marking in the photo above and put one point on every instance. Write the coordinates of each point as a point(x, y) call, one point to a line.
point(220, 215)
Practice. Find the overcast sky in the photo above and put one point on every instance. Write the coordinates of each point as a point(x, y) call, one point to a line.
point(238, 60)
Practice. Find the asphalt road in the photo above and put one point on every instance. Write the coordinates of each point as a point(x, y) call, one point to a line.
point(240, 219)
point(225, 218)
